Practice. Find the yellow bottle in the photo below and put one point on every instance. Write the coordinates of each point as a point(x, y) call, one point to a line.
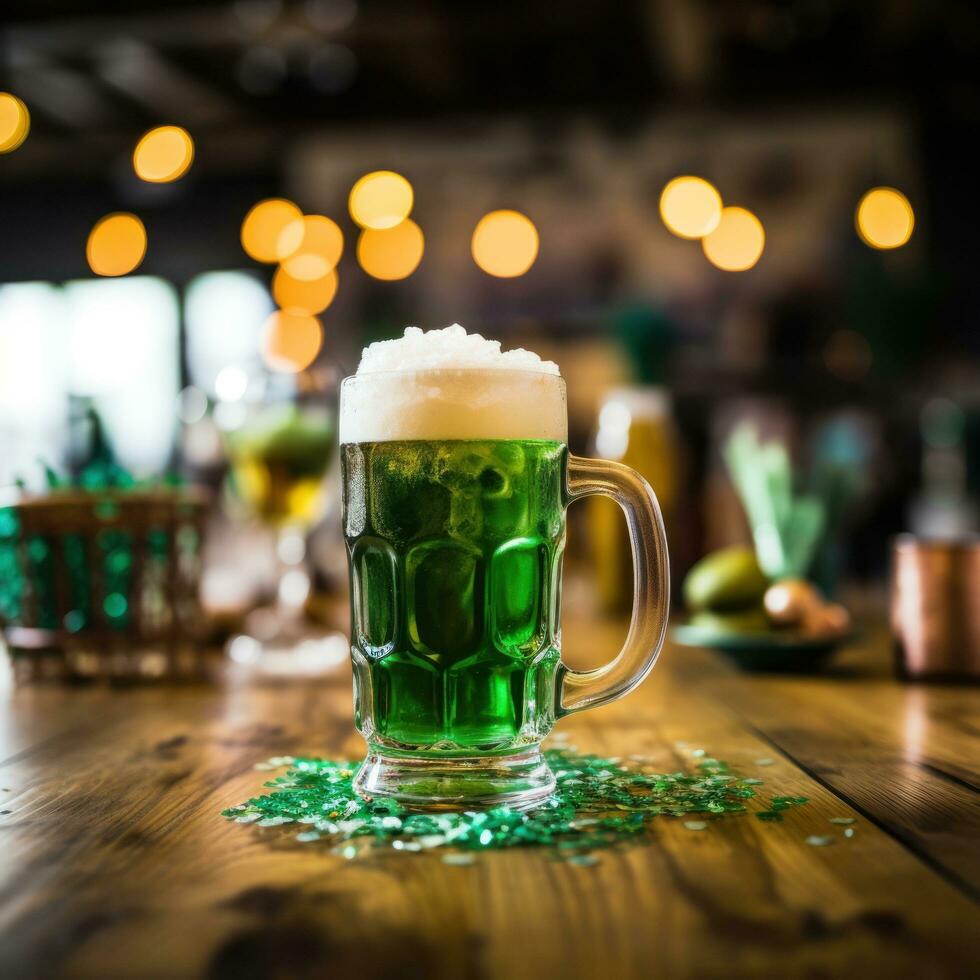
point(636, 428)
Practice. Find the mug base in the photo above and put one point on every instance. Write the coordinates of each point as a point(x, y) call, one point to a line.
point(519, 781)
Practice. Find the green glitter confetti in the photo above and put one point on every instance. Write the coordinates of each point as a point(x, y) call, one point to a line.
point(764, 762)
point(842, 821)
point(785, 802)
point(598, 803)
point(778, 804)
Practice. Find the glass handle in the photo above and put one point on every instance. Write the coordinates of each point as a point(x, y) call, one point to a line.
point(579, 689)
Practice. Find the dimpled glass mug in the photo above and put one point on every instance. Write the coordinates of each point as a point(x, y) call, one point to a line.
point(455, 485)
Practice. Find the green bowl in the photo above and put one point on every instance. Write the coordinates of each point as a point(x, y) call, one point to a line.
point(783, 653)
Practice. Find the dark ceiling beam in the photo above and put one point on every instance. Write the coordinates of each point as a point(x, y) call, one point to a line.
point(63, 94)
point(145, 76)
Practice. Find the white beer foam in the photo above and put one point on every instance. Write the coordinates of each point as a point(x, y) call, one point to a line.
point(448, 384)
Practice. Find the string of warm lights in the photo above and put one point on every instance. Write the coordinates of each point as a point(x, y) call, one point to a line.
point(505, 244)
point(884, 218)
point(390, 245)
point(732, 238)
point(390, 254)
point(306, 248)
point(163, 154)
point(116, 245)
point(737, 242)
point(690, 207)
point(291, 340)
point(15, 122)
point(380, 200)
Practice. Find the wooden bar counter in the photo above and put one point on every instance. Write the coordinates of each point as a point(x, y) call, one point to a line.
point(115, 861)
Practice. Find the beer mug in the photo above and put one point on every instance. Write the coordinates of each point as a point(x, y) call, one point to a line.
point(455, 486)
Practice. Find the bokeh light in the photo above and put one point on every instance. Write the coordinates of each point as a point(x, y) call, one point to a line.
point(505, 244)
point(884, 218)
point(305, 295)
point(291, 340)
point(737, 243)
point(231, 383)
point(391, 253)
point(15, 122)
point(116, 245)
point(690, 207)
point(273, 228)
point(382, 199)
point(192, 405)
point(318, 250)
point(163, 154)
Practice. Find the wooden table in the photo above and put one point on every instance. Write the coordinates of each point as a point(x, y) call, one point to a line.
point(114, 860)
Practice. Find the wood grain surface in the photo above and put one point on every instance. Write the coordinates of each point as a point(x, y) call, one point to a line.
point(115, 861)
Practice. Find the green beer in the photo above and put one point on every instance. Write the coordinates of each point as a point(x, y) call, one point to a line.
point(455, 562)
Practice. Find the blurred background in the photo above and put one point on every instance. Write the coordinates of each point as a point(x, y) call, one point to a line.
point(706, 212)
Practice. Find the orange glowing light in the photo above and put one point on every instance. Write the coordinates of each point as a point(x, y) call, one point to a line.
point(737, 243)
point(305, 295)
point(163, 154)
point(318, 250)
point(505, 244)
point(690, 207)
point(380, 200)
point(884, 218)
point(15, 122)
point(273, 228)
point(116, 245)
point(291, 340)
point(391, 253)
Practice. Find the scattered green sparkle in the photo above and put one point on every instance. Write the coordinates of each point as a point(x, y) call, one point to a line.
point(816, 840)
point(785, 802)
point(778, 804)
point(598, 802)
point(842, 821)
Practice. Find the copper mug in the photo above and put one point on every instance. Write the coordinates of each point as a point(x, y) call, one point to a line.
point(935, 607)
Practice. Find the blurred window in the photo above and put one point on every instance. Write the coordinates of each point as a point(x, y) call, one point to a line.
point(224, 315)
point(116, 342)
point(33, 380)
point(123, 352)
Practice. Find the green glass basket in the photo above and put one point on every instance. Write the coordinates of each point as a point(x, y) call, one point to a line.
point(102, 583)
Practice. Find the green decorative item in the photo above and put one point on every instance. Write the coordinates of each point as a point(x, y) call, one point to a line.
point(786, 526)
point(598, 802)
point(98, 570)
